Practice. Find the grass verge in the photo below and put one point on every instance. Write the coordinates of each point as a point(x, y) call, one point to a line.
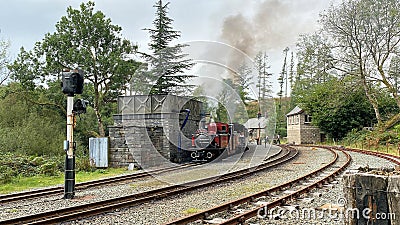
point(38, 181)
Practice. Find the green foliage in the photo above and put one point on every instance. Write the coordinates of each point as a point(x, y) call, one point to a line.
point(387, 104)
point(49, 169)
point(190, 211)
point(314, 59)
point(357, 136)
point(6, 175)
point(14, 165)
point(27, 128)
point(388, 137)
point(25, 183)
point(87, 39)
point(82, 163)
point(167, 63)
point(222, 114)
point(337, 107)
point(362, 33)
point(37, 161)
point(264, 83)
point(374, 138)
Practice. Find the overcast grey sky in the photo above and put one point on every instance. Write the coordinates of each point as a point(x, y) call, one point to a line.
point(268, 25)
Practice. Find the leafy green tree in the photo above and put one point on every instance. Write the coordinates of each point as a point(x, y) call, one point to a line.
point(314, 56)
point(291, 71)
point(26, 127)
point(225, 102)
point(88, 40)
point(208, 103)
point(337, 107)
point(366, 33)
point(240, 84)
point(282, 108)
point(166, 63)
point(314, 65)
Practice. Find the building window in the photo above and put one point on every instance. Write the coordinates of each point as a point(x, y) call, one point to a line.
point(307, 119)
point(297, 119)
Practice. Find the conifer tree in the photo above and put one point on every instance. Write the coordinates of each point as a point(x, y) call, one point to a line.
point(166, 63)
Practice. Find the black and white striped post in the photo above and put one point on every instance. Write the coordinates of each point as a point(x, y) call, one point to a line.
point(69, 147)
point(72, 83)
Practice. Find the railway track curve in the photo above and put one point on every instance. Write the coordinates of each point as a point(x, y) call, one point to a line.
point(91, 209)
point(254, 211)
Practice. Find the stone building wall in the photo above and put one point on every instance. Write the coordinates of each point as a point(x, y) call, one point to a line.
point(299, 131)
point(293, 134)
point(310, 135)
point(147, 128)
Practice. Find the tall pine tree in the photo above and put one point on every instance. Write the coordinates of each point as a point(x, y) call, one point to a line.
point(166, 63)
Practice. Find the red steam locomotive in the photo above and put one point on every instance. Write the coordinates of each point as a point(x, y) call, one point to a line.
point(216, 139)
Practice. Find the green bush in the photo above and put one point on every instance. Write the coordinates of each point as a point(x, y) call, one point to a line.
point(373, 138)
point(37, 161)
point(27, 128)
point(6, 175)
point(83, 164)
point(49, 169)
point(355, 136)
point(14, 165)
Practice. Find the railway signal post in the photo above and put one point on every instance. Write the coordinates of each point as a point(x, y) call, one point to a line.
point(72, 83)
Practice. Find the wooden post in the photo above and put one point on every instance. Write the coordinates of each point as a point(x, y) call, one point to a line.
point(387, 147)
point(398, 149)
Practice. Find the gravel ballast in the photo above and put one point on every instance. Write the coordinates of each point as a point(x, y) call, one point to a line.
point(319, 206)
point(158, 212)
point(164, 210)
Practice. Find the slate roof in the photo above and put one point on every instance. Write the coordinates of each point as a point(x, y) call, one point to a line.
point(295, 111)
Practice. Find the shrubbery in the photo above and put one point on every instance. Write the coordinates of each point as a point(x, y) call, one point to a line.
point(374, 138)
point(14, 166)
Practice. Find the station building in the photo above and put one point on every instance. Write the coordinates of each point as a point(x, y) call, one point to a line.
point(300, 129)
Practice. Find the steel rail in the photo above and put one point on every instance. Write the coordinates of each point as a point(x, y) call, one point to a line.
point(7, 198)
point(95, 208)
point(240, 219)
point(250, 198)
point(393, 158)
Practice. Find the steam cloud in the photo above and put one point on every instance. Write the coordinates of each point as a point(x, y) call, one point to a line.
point(275, 25)
point(271, 26)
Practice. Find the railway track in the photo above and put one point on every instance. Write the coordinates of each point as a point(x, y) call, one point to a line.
point(84, 185)
point(91, 209)
point(249, 207)
point(393, 158)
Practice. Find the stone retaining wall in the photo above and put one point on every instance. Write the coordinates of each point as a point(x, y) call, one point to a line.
point(372, 199)
point(146, 130)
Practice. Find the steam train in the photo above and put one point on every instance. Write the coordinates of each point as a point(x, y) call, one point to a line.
point(214, 139)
